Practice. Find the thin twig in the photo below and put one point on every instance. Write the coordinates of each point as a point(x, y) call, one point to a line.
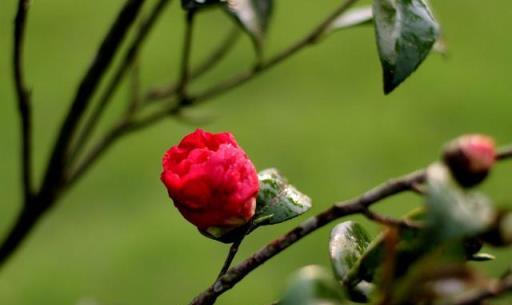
point(243, 77)
point(504, 153)
point(338, 210)
point(496, 289)
point(111, 44)
point(134, 94)
point(96, 152)
point(23, 97)
point(216, 56)
point(185, 56)
point(391, 222)
point(341, 209)
point(124, 66)
point(233, 250)
point(176, 106)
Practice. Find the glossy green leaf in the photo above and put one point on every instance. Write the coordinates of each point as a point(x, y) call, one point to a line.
point(253, 15)
point(351, 18)
point(452, 212)
point(312, 285)
point(195, 4)
point(406, 32)
point(278, 201)
point(349, 242)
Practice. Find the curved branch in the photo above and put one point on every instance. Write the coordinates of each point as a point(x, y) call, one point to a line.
point(53, 180)
point(23, 97)
point(216, 56)
point(338, 210)
point(496, 289)
point(244, 77)
point(124, 66)
point(341, 209)
point(111, 44)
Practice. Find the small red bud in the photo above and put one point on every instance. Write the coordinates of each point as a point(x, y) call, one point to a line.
point(470, 158)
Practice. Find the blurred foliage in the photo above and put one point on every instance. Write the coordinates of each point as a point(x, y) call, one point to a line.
point(321, 118)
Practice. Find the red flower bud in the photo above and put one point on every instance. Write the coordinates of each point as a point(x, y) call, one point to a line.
point(211, 181)
point(470, 158)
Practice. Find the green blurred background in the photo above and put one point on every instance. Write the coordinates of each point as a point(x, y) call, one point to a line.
point(320, 117)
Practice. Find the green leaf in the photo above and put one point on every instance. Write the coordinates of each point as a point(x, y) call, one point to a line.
point(277, 200)
point(312, 285)
point(253, 15)
point(349, 242)
point(452, 212)
point(406, 32)
point(351, 18)
point(195, 4)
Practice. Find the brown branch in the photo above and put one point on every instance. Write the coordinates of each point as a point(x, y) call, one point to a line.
point(128, 58)
point(495, 289)
point(23, 97)
point(176, 106)
point(391, 222)
point(96, 152)
point(185, 56)
point(338, 210)
point(243, 77)
point(90, 82)
point(53, 180)
point(216, 56)
point(135, 88)
point(341, 209)
point(504, 153)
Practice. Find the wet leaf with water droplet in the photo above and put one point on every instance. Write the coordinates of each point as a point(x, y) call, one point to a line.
point(349, 242)
point(278, 201)
point(406, 32)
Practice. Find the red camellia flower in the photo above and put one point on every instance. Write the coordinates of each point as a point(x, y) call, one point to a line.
point(211, 181)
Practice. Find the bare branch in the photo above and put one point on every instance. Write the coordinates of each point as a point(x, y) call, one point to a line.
point(338, 210)
point(53, 180)
point(391, 222)
point(216, 56)
point(504, 153)
point(124, 66)
point(108, 48)
point(185, 56)
point(243, 77)
point(23, 97)
point(97, 151)
point(495, 289)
